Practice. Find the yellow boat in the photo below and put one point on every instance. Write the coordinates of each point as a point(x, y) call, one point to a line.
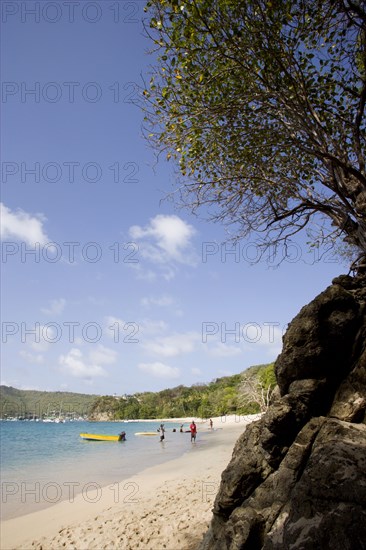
point(101, 437)
point(146, 433)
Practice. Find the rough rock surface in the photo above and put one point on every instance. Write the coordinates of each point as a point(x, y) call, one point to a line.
point(297, 477)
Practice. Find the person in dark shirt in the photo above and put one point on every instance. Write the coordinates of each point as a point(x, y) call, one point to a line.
point(162, 432)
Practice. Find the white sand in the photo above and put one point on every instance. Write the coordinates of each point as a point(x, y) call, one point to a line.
point(163, 507)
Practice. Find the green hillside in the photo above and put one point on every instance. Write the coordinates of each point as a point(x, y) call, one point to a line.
point(30, 403)
point(219, 397)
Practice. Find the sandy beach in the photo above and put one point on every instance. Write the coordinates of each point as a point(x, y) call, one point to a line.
point(163, 507)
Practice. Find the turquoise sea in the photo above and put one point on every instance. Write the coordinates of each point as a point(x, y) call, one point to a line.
point(43, 463)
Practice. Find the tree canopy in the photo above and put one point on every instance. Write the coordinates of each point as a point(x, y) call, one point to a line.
point(261, 104)
point(226, 395)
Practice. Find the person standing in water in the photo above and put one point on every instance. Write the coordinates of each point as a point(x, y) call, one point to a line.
point(193, 429)
point(162, 432)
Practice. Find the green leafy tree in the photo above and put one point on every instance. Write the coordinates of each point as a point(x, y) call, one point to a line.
point(261, 104)
point(267, 376)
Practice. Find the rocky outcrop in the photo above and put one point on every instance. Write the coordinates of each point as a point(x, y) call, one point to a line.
point(297, 477)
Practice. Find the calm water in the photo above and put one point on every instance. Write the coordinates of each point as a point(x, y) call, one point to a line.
point(43, 463)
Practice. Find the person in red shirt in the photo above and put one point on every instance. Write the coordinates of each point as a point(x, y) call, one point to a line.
point(193, 429)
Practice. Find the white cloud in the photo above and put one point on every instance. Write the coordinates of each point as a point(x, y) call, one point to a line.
point(118, 329)
point(22, 226)
point(223, 350)
point(175, 344)
point(114, 322)
point(152, 326)
point(166, 240)
point(159, 370)
point(114, 327)
point(171, 234)
point(56, 307)
point(103, 356)
point(75, 364)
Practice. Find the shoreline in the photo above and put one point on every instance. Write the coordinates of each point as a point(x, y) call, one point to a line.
point(229, 418)
point(42, 480)
point(166, 504)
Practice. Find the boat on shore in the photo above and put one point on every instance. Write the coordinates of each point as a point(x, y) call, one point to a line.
point(101, 437)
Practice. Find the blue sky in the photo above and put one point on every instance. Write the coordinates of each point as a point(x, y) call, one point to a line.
point(106, 287)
